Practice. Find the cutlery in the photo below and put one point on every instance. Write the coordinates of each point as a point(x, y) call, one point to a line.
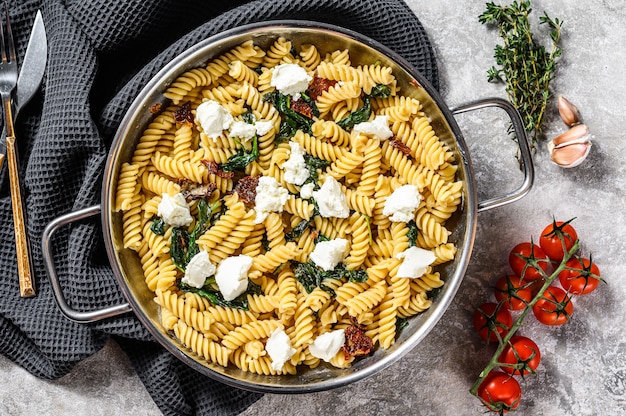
point(8, 83)
point(31, 74)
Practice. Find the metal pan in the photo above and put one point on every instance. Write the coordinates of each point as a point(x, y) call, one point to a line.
point(125, 263)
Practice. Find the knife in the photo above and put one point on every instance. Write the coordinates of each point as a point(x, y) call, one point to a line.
point(31, 74)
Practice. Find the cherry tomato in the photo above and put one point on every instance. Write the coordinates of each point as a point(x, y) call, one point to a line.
point(521, 352)
point(500, 392)
point(513, 292)
point(550, 240)
point(582, 276)
point(554, 307)
point(491, 319)
point(521, 254)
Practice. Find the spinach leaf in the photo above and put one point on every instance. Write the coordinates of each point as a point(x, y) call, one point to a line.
point(179, 246)
point(183, 244)
point(313, 164)
point(380, 91)
point(158, 226)
point(293, 120)
point(305, 97)
point(311, 276)
point(363, 114)
point(297, 231)
point(412, 234)
point(401, 323)
point(242, 158)
point(359, 116)
point(216, 298)
point(308, 274)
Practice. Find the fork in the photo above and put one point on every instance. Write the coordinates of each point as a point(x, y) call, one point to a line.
point(8, 81)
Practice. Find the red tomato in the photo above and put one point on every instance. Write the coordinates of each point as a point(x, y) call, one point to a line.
point(550, 240)
point(521, 352)
point(500, 392)
point(513, 292)
point(520, 256)
point(554, 307)
point(491, 319)
point(582, 276)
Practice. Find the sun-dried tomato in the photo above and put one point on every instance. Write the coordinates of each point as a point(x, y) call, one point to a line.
point(302, 107)
point(398, 144)
point(318, 85)
point(155, 108)
point(214, 169)
point(192, 190)
point(357, 343)
point(183, 113)
point(246, 189)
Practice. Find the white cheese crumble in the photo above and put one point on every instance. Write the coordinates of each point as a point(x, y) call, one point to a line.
point(379, 128)
point(306, 191)
point(174, 210)
point(232, 276)
point(291, 79)
point(296, 171)
point(327, 345)
point(415, 261)
point(242, 130)
point(270, 197)
point(330, 200)
point(328, 254)
point(263, 127)
point(246, 131)
point(214, 118)
point(278, 347)
point(198, 270)
point(400, 206)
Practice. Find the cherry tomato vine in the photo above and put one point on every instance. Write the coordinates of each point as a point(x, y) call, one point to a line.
point(533, 288)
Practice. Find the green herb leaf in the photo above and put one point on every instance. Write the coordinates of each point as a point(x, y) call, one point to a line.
point(158, 226)
point(412, 234)
point(358, 116)
point(524, 64)
point(179, 246)
point(297, 231)
point(240, 160)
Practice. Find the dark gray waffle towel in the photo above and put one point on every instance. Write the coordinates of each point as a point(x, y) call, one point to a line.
point(101, 53)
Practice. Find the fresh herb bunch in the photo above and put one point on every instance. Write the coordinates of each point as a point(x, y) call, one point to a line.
point(524, 65)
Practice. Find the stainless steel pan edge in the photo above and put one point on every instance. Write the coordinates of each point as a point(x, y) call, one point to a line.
point(129, 274)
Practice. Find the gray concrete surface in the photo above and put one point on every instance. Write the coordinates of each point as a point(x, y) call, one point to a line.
point(583, 371)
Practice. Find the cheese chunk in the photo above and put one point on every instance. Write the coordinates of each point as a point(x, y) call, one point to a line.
point(379, 128)
point(174, 210)
point(198, 270)
point(278, 347)
point(270, 197)
point(232, 276)
point(296, 171)
point(214, 118)
point(415, 262)
point(291, 79)
point(330, 200)
point(328, 254)
point(327, 345)
point(400, 206)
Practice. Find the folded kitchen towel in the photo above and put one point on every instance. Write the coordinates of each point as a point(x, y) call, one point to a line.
point(100, 54)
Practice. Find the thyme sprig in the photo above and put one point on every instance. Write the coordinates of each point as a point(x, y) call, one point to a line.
point(523, 64)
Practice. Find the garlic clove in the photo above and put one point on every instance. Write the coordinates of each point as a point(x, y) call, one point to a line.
point(570, 155)
point(568, 111)
point(577, 134)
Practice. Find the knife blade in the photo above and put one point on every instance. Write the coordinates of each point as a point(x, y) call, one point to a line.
point(31, 73)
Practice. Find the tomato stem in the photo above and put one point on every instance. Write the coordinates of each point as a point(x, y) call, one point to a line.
point(503, 341)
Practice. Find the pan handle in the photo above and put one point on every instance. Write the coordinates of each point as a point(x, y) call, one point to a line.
point(72, 314)
point(520, 133)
